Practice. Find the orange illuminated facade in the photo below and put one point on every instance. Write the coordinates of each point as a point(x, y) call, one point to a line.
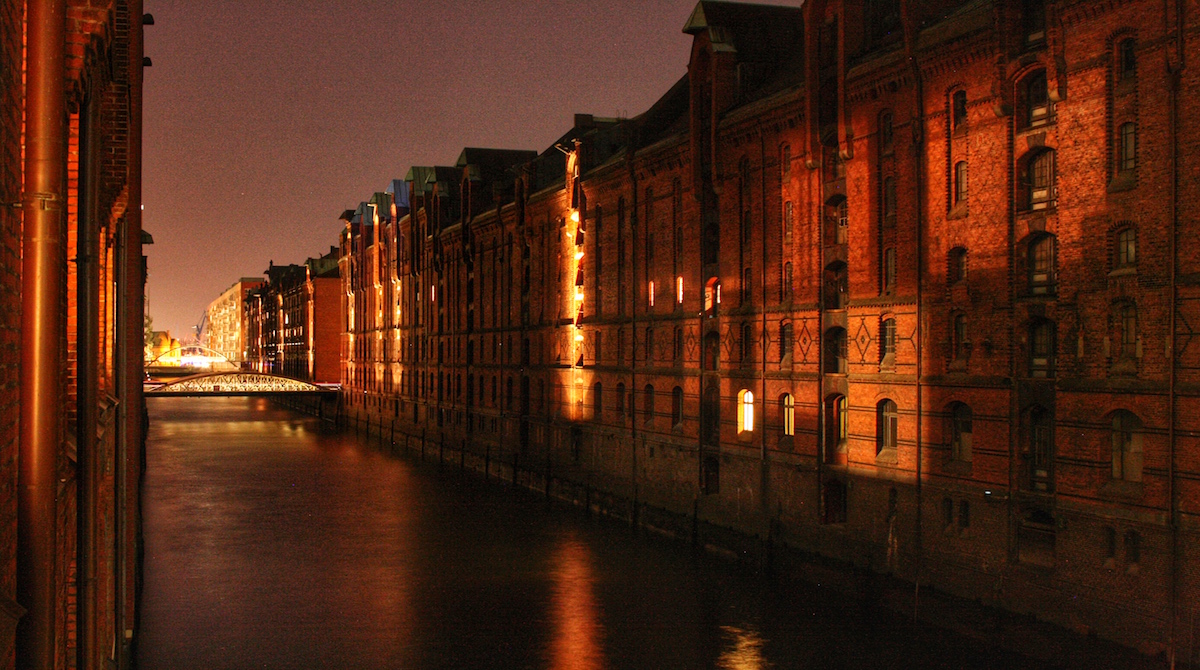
point(899, 285)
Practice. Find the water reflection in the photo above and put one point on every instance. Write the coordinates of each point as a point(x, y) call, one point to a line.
point(577, 643)
point(270, 544)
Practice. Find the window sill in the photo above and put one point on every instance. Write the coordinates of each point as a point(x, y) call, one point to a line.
point(1126, 180)
point(887, 456)
point(1121, 490)
point(1127, 271)
point(745, 436)
point(958, 211)
point(956, 467)
point(1124, 367)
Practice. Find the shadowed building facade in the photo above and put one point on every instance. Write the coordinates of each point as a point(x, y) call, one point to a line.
point(71, 330)
point(898, 284)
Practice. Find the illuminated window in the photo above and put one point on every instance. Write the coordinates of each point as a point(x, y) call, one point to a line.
point(679, 290)
point(887, 422)
point(1126, 446)
point(787, 405)
point(745, 411)
point(650, 293)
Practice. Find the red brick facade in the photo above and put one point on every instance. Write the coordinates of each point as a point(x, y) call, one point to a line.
point(87, 618)
point(292, 323)
point(907, 286)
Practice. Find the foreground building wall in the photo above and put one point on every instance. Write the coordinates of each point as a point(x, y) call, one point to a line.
point(903, 286)
point(71, 287)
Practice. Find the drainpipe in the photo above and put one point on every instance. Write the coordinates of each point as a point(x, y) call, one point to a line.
point(920, 212)
point(42, 355)
point(130, 438)
point(1174, 74)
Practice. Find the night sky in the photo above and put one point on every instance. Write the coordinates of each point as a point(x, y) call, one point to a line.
point(265, 120)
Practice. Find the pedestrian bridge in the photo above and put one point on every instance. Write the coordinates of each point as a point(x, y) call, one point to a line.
point(237, 383)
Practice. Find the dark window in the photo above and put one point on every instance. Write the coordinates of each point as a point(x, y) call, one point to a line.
point(960, 432)
point(677, 406)
point(785, 160)
point(785, 340)
point(959, 337)
point(1126, 446)
point(836, 285)
point(1127, 314)
point(597, 402)
point(960, 182)
point(889, 269)
point(787, 222)
point(1127, 158)
point(1127, 248)
point(1041, 265)
point(886, 132)
point(648, 346)
point(889, 201)
point(621, 399)
point(746, 285)
point(1041, 349)
point(1041, 180)
point(1041, 450)
point(964, 515)
point(1033, 20)
point(678, 348)
point(835, 350)
point(786, 285)
point(958, 106)
point(947, 512)
point(1127, 66)
point(957, 265)
point(843, 222)
point(887, 420)
point(648, 404)
point(747, 342)
point(1037, 100)
point(1133, 547)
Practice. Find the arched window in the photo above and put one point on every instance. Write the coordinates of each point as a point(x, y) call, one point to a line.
point(1127, 147)
point(960, 432)
point(597, 401)
point(677, 406)
point(648, 404)
point(956, 265)
point(786, 339)
point(960, 182)
point(787, 414)
point(887, 341)
point(1041, 265)
point(887, 423)
point(1126, 248)
point(1126, 446)
point(1041, 348)
point(745, 411)
point(835, 350)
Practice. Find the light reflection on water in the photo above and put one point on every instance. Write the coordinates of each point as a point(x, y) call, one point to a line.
point(272, 545)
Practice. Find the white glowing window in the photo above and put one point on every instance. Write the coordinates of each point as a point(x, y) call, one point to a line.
point(679, 290)
point(432, 293)
point(650, 293)
point(745, 411)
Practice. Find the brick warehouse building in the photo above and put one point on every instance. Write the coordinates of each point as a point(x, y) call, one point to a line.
point(224, 331)
point(292, 323)
point(71, 305)
point(896, 284)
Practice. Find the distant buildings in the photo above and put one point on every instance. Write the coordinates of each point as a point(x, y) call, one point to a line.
point(904, 285)
point(291, 322)
point(224, 333)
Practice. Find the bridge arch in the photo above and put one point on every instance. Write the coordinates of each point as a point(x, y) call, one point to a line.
point(236, 383)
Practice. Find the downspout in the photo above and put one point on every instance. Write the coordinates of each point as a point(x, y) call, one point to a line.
point(131, 435)
point(919, 148)
point(1174, 73)
point(43, 324)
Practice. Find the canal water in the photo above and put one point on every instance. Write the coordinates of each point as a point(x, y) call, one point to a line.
point(269, 544)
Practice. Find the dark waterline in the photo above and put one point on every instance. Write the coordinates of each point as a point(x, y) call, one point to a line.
point(271, 545)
